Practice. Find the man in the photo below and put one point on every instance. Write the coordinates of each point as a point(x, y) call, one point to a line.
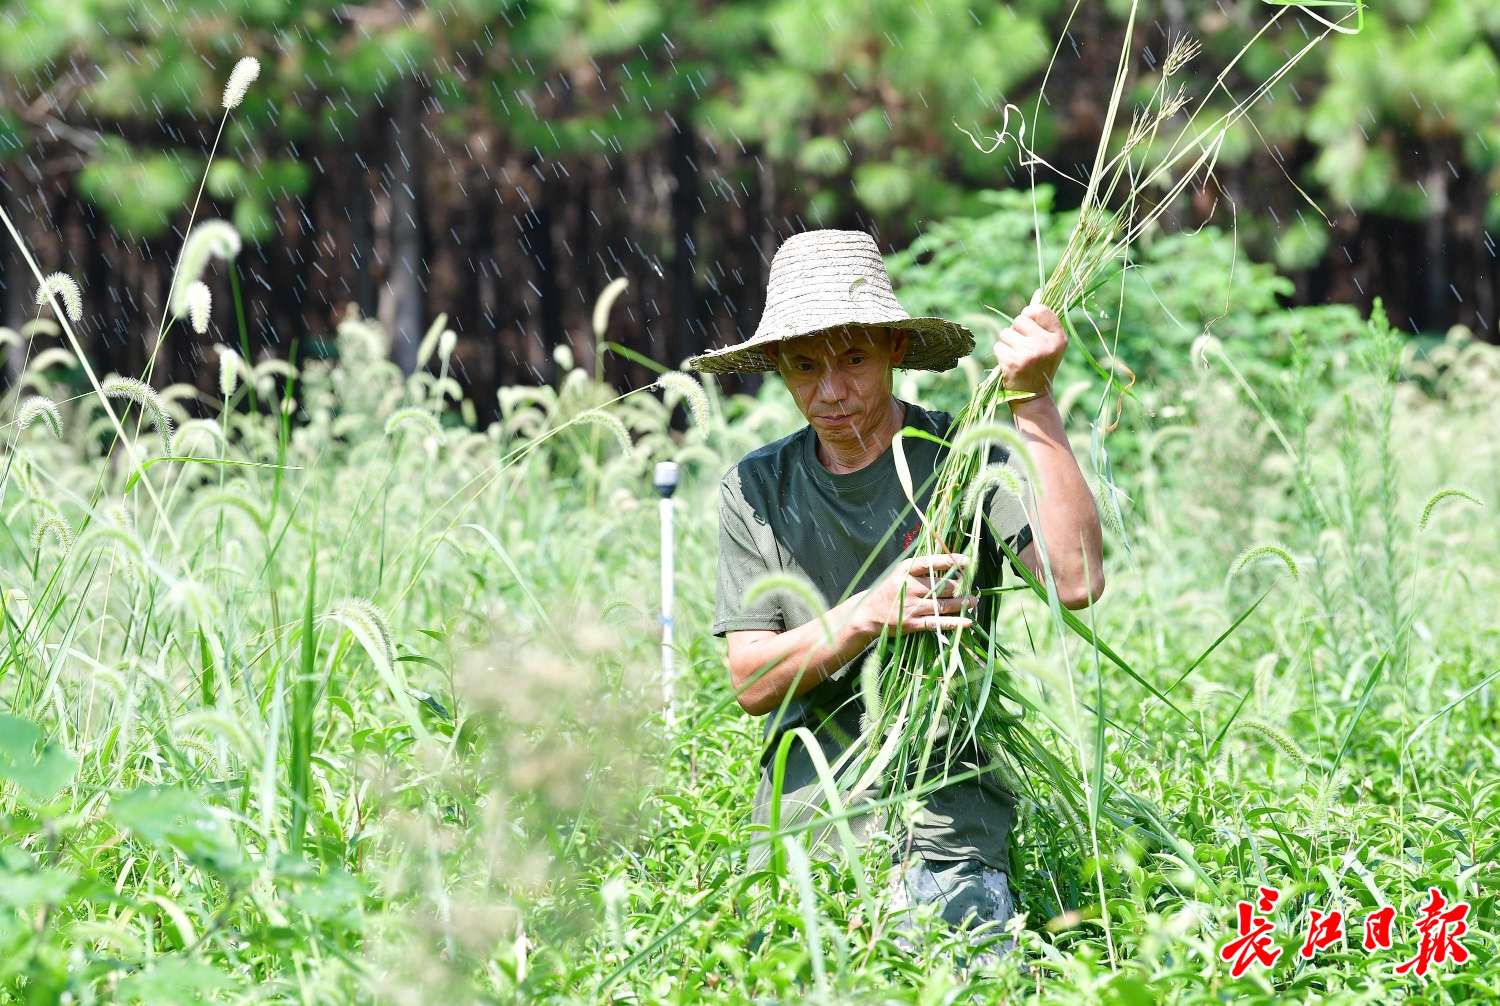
point(826, 503)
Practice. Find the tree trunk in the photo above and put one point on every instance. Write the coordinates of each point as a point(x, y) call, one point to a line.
point(539, 241)
point(403, 290)
point(1435, 267)
point(13, 278)
point(684, 208)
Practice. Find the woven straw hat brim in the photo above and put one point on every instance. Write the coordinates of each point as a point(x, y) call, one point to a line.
point(825, 280)
point(933, 344)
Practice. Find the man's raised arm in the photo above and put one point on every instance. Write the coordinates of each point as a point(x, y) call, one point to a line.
point(1067, 519)
point(1027, 354)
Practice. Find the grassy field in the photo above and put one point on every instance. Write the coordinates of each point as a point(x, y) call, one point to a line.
point(333, 697)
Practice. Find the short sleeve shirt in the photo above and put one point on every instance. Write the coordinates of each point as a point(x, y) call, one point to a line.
point(782, 511)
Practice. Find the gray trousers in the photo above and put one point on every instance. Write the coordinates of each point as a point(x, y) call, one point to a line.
point(970, 894)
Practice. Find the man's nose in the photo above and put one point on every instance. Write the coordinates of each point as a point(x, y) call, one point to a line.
point(831, 384)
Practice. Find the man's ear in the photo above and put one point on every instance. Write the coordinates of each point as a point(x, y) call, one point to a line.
point(900, 339)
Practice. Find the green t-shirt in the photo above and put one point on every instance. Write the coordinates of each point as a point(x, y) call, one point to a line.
point(781, 510)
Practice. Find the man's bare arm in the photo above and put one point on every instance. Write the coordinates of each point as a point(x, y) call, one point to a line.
point(800, 658)
point(1067, 520)
point(1027, 353)
point(915, 598)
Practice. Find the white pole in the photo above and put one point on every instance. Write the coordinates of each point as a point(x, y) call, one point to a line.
point(666, 484)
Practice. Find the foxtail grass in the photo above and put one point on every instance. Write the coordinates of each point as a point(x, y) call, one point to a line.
point(940, 691)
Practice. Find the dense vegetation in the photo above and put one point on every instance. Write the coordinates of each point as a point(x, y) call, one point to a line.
point(321, 685)
point(335, 696)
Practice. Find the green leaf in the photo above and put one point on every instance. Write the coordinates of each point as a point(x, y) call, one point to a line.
point(135, 475)
point(823, 155)
point(11, 136)
point(333, 896)
point(172, 980)
point(883, 187)
point(253, 219)
point(226, 179)
point(1302, 245)
point(25, 889)
point(27, 758)
point(172, 817)
point(138, 192)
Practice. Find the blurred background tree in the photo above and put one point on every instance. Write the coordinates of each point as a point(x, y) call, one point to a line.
point(501, 160)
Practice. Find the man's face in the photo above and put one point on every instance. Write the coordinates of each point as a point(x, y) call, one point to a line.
point(841, 381)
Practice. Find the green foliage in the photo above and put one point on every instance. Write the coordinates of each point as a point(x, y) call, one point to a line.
point(459, 781)
point(174, 980)
point(138, 191)
point(983, 269)
point(38, 766)
point(1392, 86)
point(811, 84)
point(520, 817)
point(177, 819)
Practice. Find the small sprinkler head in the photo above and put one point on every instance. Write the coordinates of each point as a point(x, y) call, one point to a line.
point(666, 478)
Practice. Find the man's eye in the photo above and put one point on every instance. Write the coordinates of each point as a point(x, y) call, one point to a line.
point(856, 360)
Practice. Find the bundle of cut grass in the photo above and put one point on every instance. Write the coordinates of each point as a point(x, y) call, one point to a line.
point(939, 692)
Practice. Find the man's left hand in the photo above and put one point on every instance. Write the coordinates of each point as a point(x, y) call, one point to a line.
point(1028, 351)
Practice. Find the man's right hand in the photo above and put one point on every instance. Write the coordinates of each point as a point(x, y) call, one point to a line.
point(766, 664)
point(930, 602)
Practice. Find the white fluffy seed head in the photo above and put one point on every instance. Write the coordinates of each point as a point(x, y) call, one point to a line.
point(54, 526)
point(429, 341)
point(208, 239)
point(229, 370)
point(64, 286)
point(419, 419)
point(240, 79)
point(34, 327)
point(38, 408)
point(679, 387)
point(200, 305)
point(446, 342)
point(148, 399)
point(370, 628)
point(610, 423)
point(992, 477)
point(869, 688)
point(605, 302)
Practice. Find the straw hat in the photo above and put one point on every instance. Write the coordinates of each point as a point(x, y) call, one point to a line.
point(824, 280)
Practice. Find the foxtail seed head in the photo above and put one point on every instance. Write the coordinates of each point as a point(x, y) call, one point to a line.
point(39, 407)
point(240, 79)
point(679, 387)
point(66, 289)
point(229, 370)
point(200, 305)
point(149, 401)
point(208, 238)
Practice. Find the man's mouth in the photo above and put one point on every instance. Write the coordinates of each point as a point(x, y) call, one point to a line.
point(841, 417)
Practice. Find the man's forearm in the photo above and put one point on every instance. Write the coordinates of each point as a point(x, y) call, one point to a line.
point(802, 658)
point(1067, 519)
